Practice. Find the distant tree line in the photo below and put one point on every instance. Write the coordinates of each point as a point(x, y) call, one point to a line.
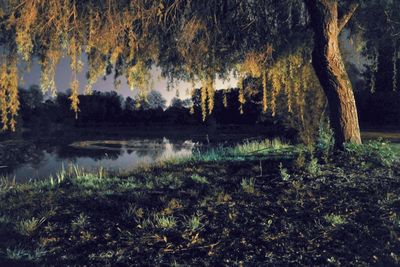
point(110, 108)
point(377, 108)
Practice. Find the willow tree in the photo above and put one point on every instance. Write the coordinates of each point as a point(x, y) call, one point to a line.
point(188, 39)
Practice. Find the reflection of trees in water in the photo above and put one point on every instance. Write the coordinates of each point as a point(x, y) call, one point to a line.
point(15, 154)
point(67, 152)
point(153, 153)
point(177, 146)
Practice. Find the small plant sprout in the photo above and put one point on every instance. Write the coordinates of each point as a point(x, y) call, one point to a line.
point(199, 179)
point(165, 222)
point(133, 211)
point(335, 219)
point(4, 219)
point(283, 173)
point(313, 167)
point(248, 185)
point(19, 253)
point(80, 222)
point(194, 223)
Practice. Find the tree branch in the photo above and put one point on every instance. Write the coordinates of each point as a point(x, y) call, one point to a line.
point(342, 22)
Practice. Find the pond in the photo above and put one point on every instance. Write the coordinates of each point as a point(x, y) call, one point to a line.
point(26, 161)
point(36, 156)
point(39, 158)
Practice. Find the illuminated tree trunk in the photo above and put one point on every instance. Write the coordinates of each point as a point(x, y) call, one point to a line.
point(330, 69)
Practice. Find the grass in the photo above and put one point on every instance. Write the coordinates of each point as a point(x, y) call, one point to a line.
point(201, 210)
point(251, 147)
point(247, 150)
point(396, 148)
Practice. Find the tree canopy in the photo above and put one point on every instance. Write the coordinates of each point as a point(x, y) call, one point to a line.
point(189, 39)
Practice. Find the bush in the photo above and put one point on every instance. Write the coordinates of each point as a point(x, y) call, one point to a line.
point(376, 152)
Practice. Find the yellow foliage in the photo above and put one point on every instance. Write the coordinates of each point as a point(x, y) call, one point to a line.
point(265, 97)
point(9, 102)
point(210, 93)
point(242, 99)
point(203, 93)
point(225, 99)
point(49, 65)
point(74, 95)
point(138, 76)
point(3, 96)
point(24, 25)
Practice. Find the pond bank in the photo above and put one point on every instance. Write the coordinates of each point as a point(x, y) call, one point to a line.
point(232, 208)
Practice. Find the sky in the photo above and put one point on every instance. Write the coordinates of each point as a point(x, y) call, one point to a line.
point(64, 75)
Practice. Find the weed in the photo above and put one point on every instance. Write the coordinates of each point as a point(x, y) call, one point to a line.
point(300, 161)
point(60, 178)
point(6, 184)
point(199, 179)
point(165, 222)
point(19, 253)
point(194, 223)
point(223, 197)
point(30, 226)
point(248, 185)
point(4, 219)
point(133, 211)
point(80, 222)
point(146, 223)
point(335, 219)
point(283, 172)
point(173, 204)
point(313, 167)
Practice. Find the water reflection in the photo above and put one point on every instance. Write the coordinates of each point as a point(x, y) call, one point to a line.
point(113, 155)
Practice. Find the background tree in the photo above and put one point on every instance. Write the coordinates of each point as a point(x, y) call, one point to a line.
point(152, 100)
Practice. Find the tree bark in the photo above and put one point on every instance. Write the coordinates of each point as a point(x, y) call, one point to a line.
point(330, 69)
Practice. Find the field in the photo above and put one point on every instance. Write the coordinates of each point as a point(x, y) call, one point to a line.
point(255, 203)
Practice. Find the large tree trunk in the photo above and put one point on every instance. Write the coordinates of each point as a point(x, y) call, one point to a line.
point(330, 69)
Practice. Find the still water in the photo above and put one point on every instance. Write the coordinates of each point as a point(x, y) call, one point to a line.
point(115, 156)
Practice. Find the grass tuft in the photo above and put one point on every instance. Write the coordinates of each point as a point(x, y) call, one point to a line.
point(194, 223)
point(283, 172)
point(165, 222)
point(19, 253)
point(335, 219)
point(80, 222)
point(248, 185)
point(199, 179)
point(30, 226)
